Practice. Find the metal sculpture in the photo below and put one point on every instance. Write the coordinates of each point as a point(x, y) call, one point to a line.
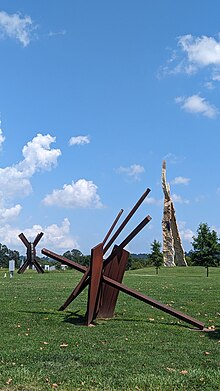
point(31, 253)
point(104, 276)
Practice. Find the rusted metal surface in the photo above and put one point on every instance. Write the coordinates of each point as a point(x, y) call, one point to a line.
point(154, 303)
point(127, 240)
point(131, 292)
point(95, 281)
point(112, 227)
point(30, 253)
point(104, 276)
point(114, 270)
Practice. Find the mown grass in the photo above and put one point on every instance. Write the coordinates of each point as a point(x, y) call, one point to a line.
point(141, 348)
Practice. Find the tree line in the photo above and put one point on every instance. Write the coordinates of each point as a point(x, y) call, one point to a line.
point(205, 252)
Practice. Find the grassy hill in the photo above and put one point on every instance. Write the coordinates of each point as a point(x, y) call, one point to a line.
point(141, 348)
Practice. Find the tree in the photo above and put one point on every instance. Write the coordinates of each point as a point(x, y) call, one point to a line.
point(206, 247)
point(6, 255)
point(156, 256)
point(76, 256)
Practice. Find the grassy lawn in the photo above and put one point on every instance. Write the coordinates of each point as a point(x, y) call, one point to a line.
point(140, 349)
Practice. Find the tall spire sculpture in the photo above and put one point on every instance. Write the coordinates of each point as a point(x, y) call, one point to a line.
point(173, 253)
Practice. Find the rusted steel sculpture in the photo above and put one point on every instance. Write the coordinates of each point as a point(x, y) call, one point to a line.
point(104, 276)
point(31, 253)
point(173, 253)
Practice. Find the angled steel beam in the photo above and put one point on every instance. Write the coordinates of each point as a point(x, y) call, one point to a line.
point(24, 239)
point(30, 253)
point(112, 227)
point(37, 239)
point(126, 220)
point(146, 299)
point(95, 282)
point(114, 270)
point(123, 288)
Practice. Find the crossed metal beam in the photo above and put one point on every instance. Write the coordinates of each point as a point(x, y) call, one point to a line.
point(31, 253)
point(104, 276)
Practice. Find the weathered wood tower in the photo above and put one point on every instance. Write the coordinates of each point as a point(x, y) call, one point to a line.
point(173, 253)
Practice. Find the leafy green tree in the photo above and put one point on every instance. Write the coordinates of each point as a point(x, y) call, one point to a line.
point(156, 255)
point(206, 247)
point(76, 256)
point(6, 255)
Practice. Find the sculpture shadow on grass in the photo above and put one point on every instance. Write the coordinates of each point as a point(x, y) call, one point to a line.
point(214, 334)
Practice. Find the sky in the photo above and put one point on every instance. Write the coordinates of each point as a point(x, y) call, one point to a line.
point(94, 96)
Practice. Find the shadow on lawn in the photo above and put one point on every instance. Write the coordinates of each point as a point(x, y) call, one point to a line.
point(69, 317)
point(214, 334)
point(79, 320)
point(74, 318)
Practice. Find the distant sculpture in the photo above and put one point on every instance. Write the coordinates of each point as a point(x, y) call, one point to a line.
point(31, 253)
point(173, 253)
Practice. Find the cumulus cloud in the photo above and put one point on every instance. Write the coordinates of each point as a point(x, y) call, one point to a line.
point(81, 194)
point(185, 233)
point(55, 236)
point(15, 180)
point(180, 180)
point(79, 140)
point(153, 201)
point(201, 51)
point(17, 27)
point(195, 104)
point(178, 199)
point(38, 155)
point(192, 54)
point(7, 214)
point(134, 171)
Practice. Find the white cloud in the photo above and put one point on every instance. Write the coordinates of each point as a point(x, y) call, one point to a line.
point(55, 237)
point(81, 194)
point(172, 158)
point(38, 155)
point(79, 140)
point(2, 137)
point(134, 171)
point(216, 77)
point(185, 233)
point(194, 53)
point(15, 180)
point(180, 180)
point(201, 51)
point(178, 199)
point(195, 104)
point(7, 214)
point(153, 201)
point(55, 33)
point(15, 26)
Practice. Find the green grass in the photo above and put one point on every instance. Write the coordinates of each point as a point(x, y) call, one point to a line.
point(140, 349)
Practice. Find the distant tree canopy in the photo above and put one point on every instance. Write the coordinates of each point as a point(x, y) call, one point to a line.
point(206, 247)
point(156, 255)
point(76, 256)
point(205, 252)
point(6, 255)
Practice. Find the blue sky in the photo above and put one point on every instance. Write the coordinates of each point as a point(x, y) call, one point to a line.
point(94, 95)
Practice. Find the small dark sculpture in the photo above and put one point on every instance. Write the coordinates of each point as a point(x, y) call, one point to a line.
point(31, 253)
point(104, 276)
